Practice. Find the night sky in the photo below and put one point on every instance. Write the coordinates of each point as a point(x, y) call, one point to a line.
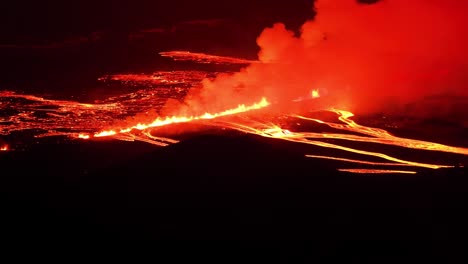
point(56, 17)
point(55, 46)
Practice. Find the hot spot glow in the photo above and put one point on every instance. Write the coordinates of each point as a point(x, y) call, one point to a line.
point(4, 148)
point(242, 108)
point(315, 93)
point(83, 136)
point(104, 134)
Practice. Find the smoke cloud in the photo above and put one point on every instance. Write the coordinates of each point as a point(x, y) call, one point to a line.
point(361, 57)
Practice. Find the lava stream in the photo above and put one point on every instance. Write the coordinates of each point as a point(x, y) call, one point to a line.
point(372, 171)
point(279, 133)
point(377, 135)
point(358, 161)
point(204, 58)
point(183, 119)
point(46, 117)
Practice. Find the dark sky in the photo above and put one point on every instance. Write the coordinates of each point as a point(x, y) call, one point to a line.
point(44, 41)
point(20, 18)
point(45, 44)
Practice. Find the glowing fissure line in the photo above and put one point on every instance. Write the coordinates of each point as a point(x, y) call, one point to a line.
point(371, 171)
point(158, 141)
point(359, 161)
point(204, 58)
point(395, 141)
point(262, 128)
point(379, 136)
point(369, 153)
point(146, 140)
point(175, 119)
point(277, 132)
point(54, 102)
point(163, 139)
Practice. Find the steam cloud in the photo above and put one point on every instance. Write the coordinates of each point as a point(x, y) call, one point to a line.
point(362, 57)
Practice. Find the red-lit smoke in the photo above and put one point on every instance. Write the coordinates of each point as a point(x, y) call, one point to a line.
point(362, 57)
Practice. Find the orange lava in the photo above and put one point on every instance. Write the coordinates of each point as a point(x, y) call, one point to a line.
point(161, 78)
point(184, 119)
point(253, 124)
point(127, 117)
point(315, 93)
point(368, 135)
point(372, 171)
point(203, 58)
point(83, 136)
point(357, 161)
point(378, 135)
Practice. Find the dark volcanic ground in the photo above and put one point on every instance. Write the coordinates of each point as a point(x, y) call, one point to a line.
point(230, 186)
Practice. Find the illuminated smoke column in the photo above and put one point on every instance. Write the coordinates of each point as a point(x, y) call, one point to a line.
point(365, 57)
point(351, 56)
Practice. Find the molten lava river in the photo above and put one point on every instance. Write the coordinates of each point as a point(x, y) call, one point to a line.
point(328, 134)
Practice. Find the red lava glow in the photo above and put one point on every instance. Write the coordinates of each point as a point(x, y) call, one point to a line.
point(180, 79)
point(85, 121)
point(350, 58)
point(4, 148)
point(318, 139)
point(370, 58)
point(380, 136)
point(183, 119)
point(357, 161)
point(63, 119)
point(315, 93)
point(370, 171)
point(203, 58)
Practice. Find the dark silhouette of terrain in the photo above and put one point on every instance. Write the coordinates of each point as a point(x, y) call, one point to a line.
point(219, 187)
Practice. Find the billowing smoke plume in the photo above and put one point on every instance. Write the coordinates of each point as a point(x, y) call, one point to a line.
point(362, 57)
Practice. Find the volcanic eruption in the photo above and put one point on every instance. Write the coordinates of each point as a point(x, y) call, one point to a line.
point(367, 57)
point(352, 57)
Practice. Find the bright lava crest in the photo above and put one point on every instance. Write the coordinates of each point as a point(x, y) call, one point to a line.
point(111, 118)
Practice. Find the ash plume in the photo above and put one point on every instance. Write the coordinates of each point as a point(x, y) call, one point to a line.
point(363, 57)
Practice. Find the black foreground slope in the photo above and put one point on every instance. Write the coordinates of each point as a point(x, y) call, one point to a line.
point(218, 187)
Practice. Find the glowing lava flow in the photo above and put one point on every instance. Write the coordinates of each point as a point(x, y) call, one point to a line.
point(371, 135)
point(149, 94)
point(279, 133)
point(371, 171)
point(78, 120)
point(182, 119)
point(358, 161)
point(377, 135)
point(62, 103)
point(315, 93)
point(83, 136)
point(203, 58)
